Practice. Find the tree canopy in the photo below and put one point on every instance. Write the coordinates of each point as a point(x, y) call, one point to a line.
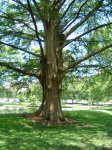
point(84, 25)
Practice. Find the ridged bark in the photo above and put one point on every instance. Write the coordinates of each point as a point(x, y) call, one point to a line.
point(52, 72)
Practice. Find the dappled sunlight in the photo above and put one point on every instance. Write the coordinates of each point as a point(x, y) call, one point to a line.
point(92, 130)
point(106, 111)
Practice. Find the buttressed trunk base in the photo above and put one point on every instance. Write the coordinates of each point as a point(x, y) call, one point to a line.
point(50, 109)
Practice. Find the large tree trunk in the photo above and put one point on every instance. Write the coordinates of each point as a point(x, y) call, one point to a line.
point(50, 108)
point(52, 68)
point(52, 73)
point(51, 79)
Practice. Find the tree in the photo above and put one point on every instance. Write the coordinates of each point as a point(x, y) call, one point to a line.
point(99, 88)
point(36, 34)
point(95, 88)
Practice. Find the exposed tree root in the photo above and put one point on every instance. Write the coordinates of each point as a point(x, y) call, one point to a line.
point(36, 119)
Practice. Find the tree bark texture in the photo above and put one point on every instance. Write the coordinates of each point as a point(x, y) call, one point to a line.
point(52, 73)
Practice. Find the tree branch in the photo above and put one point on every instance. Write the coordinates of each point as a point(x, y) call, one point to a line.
point(84, 19)
point(21, 49)
point(93, 66)
point(3, 64)
point(76, 38)
point(18, 20)
point(60, 3)
point(67, 9)
point(74, 64)
point(80, 9)
point(19, 2)
point(17, 34)
point(70, 22)
point(35, 25)
point(37, 7)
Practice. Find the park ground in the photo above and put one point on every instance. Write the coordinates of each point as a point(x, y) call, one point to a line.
point(91, 131)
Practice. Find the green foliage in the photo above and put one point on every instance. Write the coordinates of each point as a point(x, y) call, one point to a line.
point(16, 28)
point(100, 88)
point(6, 92)
point(96, 88)
point(25, 92)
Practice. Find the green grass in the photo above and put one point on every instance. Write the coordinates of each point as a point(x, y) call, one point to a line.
point(92, 132)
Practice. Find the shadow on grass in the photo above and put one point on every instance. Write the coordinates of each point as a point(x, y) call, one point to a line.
point(92, 132)
point(109, 109)
point(94, 118)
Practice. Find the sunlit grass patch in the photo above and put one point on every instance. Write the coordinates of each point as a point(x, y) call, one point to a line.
point(92, 131)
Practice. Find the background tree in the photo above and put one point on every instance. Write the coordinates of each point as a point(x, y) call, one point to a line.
point(54, 28)
point(95, 88)
point(99, 88)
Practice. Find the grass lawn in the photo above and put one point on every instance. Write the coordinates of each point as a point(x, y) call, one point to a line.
point(92, 132)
